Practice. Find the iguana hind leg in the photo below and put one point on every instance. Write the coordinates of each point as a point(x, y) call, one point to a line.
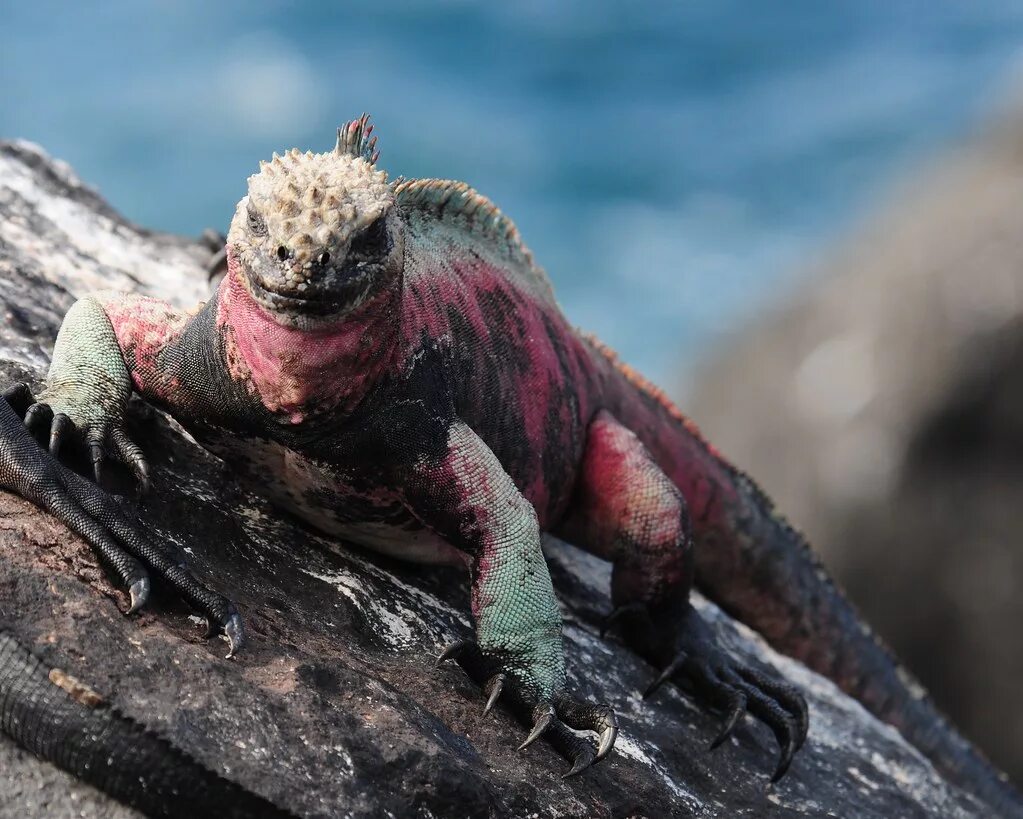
point(626, 510)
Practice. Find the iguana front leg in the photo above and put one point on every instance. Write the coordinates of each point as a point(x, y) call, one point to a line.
point(464, 494)
point(106, 348)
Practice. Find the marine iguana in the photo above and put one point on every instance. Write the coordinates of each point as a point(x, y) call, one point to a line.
point(386, 360)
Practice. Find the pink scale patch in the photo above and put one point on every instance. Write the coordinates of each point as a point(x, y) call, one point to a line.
point(144, 327)
point(293, 371)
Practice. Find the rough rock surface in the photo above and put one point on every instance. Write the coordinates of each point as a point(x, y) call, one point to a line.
point(335, 707)
point(882, 408)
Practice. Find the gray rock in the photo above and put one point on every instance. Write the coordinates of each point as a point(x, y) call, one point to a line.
point(335, 707)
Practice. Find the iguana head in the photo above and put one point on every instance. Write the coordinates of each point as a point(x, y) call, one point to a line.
point(317, 234)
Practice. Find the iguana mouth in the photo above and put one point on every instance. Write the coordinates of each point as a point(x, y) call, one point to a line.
point(275, 301)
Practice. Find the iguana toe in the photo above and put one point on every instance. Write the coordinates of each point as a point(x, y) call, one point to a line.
point(721, 682)
point(19, 396)
point(38, 416)
point(551, 717)
point(61, 429)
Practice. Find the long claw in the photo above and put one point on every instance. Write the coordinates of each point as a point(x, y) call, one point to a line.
point(142, 488)
point(139, 593)
point(451, 651)
point(542, 721)
point(738, 709)
point(98, 454)
point(790, 698)
point(788, 749)
point(493, 687)
point(59, 430)
point(607, 740)
point(235, 634)
point(669, 672)
point(130, 455)
point(581, 763)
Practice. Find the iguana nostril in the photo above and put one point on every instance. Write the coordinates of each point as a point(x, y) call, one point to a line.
point(282, 252)
point(324, 258)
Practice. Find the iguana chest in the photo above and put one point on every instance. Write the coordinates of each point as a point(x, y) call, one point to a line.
point(338, 502)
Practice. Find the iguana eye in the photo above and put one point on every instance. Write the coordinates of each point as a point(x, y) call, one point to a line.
point(371, 242)
point(256, 223)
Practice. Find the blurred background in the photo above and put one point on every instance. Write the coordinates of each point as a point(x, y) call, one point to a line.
point(807, 224)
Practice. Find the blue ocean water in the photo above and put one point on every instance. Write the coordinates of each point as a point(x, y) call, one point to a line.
point(669, 163)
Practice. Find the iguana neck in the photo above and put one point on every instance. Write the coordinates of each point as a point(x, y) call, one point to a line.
point(299, 373)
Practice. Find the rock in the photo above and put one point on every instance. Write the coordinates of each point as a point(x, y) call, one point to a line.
point(335, 707)
point(880, 406)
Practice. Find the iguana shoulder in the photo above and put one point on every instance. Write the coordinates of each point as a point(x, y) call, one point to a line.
point(453, 228)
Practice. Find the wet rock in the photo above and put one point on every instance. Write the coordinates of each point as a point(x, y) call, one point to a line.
point(335, 707)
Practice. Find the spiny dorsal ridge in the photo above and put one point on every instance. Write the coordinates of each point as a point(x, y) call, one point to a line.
point(355, 139)
point(445, 199)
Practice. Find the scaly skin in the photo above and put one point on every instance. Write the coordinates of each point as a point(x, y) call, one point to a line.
point(60, 719)
point(391, 356)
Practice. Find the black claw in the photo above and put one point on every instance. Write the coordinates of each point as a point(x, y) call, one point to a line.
point(235, 634)
point(142, 474)
point(732, 721)
point(493, 688)
point(451, 651)
point(788, 749)
point(673, 667)
point(38, 415)
point(607, 739)
point(543, 714)
point(139, 593)
point(19, 396)
point(580, 764)
point(786, 695)
point(617, 613)
point(59, 431)
point(98, 454)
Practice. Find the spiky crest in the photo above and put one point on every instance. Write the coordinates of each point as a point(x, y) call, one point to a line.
point(354, 138)
point(448, 200)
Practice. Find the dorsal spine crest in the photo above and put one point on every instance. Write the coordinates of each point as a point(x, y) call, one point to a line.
point(355, 139)
point(444, 199)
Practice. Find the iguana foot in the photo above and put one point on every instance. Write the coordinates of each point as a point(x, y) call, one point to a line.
point(103, 435)
point(550, 716)
point(116, 537)
point(717, 680)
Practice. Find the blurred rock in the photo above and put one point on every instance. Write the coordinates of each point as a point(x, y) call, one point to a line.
point(882, 408)
point(335, 708)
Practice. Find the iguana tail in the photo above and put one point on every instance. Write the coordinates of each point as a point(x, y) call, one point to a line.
point(761, 570)
point(65, 722)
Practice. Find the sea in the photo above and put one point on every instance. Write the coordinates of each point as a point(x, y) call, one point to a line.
point(673, 165)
